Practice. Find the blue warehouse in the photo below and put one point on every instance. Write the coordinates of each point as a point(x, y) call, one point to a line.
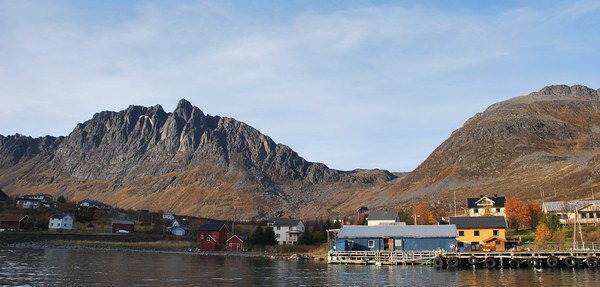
point(396, 237)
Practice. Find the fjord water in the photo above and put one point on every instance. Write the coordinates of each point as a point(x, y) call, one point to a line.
point(62, 267)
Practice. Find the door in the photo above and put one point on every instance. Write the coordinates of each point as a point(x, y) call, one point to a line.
point(391, 244)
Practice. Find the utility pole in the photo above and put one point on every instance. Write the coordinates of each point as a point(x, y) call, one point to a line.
point(575, 227)
point(455, 202)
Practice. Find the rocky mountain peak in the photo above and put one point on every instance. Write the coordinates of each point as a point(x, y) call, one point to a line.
point(564, 90)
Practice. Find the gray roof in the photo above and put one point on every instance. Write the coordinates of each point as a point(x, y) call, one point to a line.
point(123, 222)
point(555, 206)
point(479, 222)
point(414, 231)
point(286, 222)
point(383, 215)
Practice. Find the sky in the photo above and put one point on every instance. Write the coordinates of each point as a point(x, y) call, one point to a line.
point(351, 84)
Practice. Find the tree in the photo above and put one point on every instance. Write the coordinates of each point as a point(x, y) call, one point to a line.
point(258, 237)
point(306, 238)
point(532, 213)
point(61, 199)
point(514, 212)
point(542, 234)
point(269, 236)
point(551, 221)
point(558, 237)
point(423, 215)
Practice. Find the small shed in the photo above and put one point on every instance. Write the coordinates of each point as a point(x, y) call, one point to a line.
point(126, 225)
point(15, 221)
point(179, 231)
point(396, 237)
point(210, 235)
point(234, 243)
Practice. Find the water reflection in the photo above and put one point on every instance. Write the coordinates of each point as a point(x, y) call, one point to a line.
point(100, 268)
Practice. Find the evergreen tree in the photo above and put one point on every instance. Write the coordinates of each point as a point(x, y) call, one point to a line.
point(306, 238)
point(258, 237)
point(551, 221)
point(269, 236)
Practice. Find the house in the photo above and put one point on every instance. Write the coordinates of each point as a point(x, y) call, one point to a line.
point(126, 225)
point(486, 205)
point(234, 243)
point(44, 198)
point(588, 211)
point(168, 216)
point(396, 237)
point(28, 203)
point(487, 233)
point(210, 235)
point(93, 204)
point(179, 231)
point(287, 231)
point(60, 222)
point(384, 218)
point(15, 222)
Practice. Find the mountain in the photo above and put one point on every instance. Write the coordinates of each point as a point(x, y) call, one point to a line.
point(544, 145)
point(184, 161)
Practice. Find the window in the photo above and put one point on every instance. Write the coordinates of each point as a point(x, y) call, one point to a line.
point(277, 235)
point(498, 210)
point(476, 210)
point(495, 232)
point(461, 244)
point(202, 236)
point(476, 232)
point(461, 233)
point(371, 243)
point(498, 242)
point(278, 227)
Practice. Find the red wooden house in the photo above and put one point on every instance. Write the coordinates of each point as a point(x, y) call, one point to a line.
point(14, 221)
point(234, 243)
point(210, 235)
point(126, 225)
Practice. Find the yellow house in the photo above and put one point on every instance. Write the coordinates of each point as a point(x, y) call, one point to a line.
point(487, 233)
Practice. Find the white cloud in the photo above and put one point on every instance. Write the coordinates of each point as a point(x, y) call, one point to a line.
point(359, 87)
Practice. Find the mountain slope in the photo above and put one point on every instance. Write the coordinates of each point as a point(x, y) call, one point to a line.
point(546, 143)
point(183, 161)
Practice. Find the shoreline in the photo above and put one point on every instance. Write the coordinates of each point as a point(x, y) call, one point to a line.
point(89, 246)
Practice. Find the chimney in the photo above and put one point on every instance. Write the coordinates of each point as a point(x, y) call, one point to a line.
point(495, 195)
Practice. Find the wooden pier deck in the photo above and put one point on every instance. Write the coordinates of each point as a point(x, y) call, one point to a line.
point(455, 260)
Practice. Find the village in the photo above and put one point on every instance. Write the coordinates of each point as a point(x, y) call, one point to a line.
point(493, 231)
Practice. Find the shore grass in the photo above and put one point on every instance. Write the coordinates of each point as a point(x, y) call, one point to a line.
point(169, 245)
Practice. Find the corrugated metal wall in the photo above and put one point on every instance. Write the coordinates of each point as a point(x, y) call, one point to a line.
point(407, 244)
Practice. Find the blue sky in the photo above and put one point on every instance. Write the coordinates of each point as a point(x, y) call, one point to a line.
point(352, 84)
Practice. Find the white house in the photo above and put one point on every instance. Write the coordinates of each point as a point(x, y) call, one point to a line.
point(89, 204)
point(287, 231)
point(384, 218)
point(588, 211)
point(28, 203)
point(486, 205)
point(61, 222)
point(168, 216)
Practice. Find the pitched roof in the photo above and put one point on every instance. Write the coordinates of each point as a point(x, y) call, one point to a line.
point(59, 216)
point(130, 222)
point(412, 231)
point(13, 217)
point(479, 222)
point(286, 222)
point(383, 215)
point(211, 227)
point(499, 201)
point(235, 236)
point(555, 206)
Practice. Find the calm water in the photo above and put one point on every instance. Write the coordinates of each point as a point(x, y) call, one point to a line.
point(59, 267)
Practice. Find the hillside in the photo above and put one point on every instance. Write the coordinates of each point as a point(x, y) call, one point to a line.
point(545, 143)
point(184, 161)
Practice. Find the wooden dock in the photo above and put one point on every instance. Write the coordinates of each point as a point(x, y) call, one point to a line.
point(456, 260)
